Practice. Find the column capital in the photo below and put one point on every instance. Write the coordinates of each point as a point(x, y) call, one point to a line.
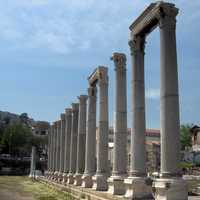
point(55, 124)
point(92, 91)
point(137, 43)
point(102, 75)
point(62, 116)
point(82, 99)
point(75, 107)
point(119, 60)
point(68, 111)
point(167, 16)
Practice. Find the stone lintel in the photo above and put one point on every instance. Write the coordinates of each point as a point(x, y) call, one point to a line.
point(100, 73)
point(149, 19)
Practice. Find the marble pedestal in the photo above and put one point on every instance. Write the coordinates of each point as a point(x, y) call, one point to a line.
point(87, 181)
point(78, 179)
point(137, 188)
point(100, 182)
point(116, 185)
point(170, 189)
point(60, 177)
point(64, 178)
point(70, 179)
point(55, 175)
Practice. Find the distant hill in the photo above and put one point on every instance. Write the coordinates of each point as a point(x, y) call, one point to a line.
point(8, 117)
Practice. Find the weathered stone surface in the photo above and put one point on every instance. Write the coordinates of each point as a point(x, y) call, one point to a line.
point(116, 181)
point(80, 165)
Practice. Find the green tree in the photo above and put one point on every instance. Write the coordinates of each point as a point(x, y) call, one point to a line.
point(185, 136)
point(16, 138)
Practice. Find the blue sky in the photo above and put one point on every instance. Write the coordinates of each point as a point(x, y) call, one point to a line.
point(49, 48)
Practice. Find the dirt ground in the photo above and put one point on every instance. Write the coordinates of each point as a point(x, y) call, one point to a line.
point(11, 189)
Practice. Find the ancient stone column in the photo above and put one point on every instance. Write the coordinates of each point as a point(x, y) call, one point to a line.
point(73, 145)
point(116, 181)
point(33, 162)
point(136, 182)
point(169, 114)
point(68, 116)
point(100, 179)
point(90, 152)
point(80, 164)
point(55, 149)
point(58, 130)
point(62, 145)
point(50, 151)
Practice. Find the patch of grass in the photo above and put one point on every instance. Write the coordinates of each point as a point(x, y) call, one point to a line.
point(38, 190)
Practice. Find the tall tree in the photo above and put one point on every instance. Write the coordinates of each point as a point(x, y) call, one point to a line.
point(16, 138)
point(185, 136)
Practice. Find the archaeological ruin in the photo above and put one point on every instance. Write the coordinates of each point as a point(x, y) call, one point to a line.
point(78, 147)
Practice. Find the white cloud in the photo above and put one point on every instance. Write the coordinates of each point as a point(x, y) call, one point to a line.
point(152, 93)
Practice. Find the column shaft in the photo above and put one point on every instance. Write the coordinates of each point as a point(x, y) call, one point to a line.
point(170, 124)
point(90, 149)
point(62, 143)
point(138, 152)
point(68, 113)
point(81, 134)
point(74, 133)
point(120, 116)
point(55, 146)
point(102, 142)
point(58, 146)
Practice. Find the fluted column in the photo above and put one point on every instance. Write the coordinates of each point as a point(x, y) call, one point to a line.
point(116, 182)
point(80, 165)
point(90, 152)
point(68, 116)
point(102, 141)
point(62, 145)
point(73, 145)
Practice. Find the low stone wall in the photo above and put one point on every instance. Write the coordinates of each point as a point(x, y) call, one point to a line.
point(80, 192)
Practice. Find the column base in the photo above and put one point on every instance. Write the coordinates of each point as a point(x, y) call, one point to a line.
point(137, 188)
point(100, 182)
point(70, 179)
point(170, 189)
point(55, 175)
point(64, 178)
point(116, 185)
point(87, 181)
point(78, 179)
point(60, 177)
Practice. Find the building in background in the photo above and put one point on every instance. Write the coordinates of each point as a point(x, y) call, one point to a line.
point(152, 148)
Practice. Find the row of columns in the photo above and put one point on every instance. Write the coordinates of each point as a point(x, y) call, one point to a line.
point(73, 140)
